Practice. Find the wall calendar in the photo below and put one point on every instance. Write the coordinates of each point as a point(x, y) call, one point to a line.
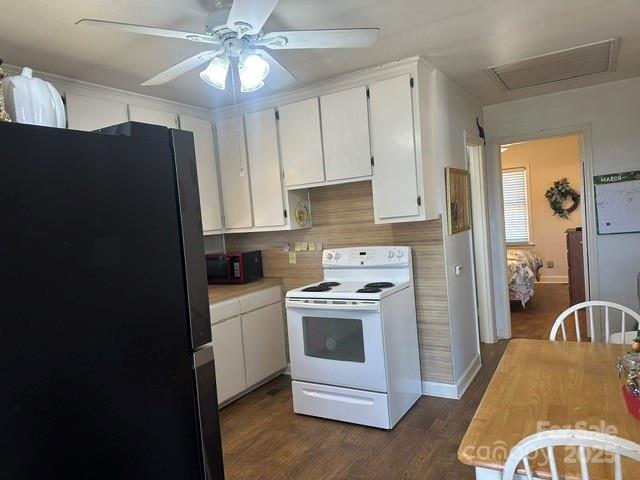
point(617, 202)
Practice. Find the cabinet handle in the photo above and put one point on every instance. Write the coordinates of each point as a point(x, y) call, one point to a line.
point(242, 172)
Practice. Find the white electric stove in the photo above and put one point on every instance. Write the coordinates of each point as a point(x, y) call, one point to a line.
point(353, 338)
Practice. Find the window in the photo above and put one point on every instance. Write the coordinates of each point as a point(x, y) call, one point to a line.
point(516, 205)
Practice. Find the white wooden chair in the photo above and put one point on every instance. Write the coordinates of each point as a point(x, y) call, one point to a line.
point(625, 311)
point(581, 439)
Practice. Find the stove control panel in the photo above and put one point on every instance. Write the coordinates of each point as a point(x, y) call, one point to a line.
point(366, 257)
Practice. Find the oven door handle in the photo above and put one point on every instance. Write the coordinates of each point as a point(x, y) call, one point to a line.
point(353, 305)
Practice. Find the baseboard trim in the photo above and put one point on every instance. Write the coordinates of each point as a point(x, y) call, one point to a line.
point(437, 389)
point(453, 390)
point(468, 375)
point(554, 279)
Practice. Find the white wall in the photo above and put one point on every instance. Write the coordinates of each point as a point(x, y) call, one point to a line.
point(613, 112)
point(456, 112)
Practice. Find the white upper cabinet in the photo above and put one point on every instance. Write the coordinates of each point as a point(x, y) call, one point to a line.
point(301, 142)
point(264, 167)
point(234, 173)
point(88, 113)
point(154, 117)
point(345, 134)
point(207, 171)
point(395, 175)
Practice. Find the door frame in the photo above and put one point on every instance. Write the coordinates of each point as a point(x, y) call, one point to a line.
point(480, 239)
point(496, 212)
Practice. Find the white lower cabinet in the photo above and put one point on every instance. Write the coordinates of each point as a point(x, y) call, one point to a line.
point(248, 341)
point(263, 331)
point(229, 358)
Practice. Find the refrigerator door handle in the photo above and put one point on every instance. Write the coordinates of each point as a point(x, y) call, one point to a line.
point(205, 377)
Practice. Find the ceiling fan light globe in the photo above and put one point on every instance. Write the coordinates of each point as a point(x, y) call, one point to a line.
point(253, 66)
point(250, 86)
point(216, 73)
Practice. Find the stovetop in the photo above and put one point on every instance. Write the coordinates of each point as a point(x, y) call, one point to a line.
point(348, 290)
point(361, 273)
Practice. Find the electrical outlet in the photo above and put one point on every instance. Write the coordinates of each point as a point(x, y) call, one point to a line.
point(549, 263)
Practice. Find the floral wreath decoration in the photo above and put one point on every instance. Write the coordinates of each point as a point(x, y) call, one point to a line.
point(558, 194)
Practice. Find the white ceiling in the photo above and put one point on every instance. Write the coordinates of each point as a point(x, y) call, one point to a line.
point(459, 37)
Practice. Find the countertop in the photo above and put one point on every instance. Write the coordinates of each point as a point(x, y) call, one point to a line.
point(220, 293)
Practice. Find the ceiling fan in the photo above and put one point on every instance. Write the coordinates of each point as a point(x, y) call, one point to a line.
point(235, 35)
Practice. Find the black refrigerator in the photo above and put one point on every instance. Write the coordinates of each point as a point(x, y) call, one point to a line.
point(106, 365)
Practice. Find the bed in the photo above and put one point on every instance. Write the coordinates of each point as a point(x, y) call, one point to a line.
point(523, 269)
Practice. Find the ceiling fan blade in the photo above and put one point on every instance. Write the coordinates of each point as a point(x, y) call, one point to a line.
point(248, 16)
point(278, 77)
point(143, 29)
point(182, 67)
point(342, 38)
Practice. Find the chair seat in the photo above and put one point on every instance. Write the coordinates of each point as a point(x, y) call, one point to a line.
point(628, 337)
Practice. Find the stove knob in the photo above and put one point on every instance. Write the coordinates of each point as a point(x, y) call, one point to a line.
point(390, 254)
point(399, 253)
point(329, 255)
point(337, 255)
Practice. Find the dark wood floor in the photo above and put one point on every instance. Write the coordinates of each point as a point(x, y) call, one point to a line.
point(536, 318)
point(264, 439)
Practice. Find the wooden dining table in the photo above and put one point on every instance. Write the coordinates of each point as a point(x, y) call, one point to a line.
point(541, 385)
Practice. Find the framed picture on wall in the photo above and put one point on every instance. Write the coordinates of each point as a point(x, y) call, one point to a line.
point(458, 201)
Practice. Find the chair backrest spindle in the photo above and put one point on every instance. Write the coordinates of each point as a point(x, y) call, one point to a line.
point(579, 439)
point(559, 323)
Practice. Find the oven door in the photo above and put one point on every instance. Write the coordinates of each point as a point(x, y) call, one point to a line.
point(337, 342)
point(218, 269)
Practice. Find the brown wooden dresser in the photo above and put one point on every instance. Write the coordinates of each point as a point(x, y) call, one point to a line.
point(576, 266)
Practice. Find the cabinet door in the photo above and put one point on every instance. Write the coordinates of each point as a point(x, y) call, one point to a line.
point(234, 174)
point(229, 358)
point(264, 166)
point(395, 183)
point(345, 134)
point(207, 171)
point(301, 143)
point(88, 113)
point(263, 332)
point(154, 117)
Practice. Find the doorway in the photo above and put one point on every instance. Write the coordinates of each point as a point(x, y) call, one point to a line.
point(542, 190)
point(530, 312)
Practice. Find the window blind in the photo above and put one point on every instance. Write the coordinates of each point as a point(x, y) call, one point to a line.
point(516, 208)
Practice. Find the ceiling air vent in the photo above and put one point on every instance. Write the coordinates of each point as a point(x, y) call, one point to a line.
point(554, 67)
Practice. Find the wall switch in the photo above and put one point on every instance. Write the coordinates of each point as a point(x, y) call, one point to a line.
point(549, 263)
point(458, 269)
point(292, 257)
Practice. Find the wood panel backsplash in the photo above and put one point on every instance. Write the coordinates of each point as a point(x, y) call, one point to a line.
point(342, 216)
